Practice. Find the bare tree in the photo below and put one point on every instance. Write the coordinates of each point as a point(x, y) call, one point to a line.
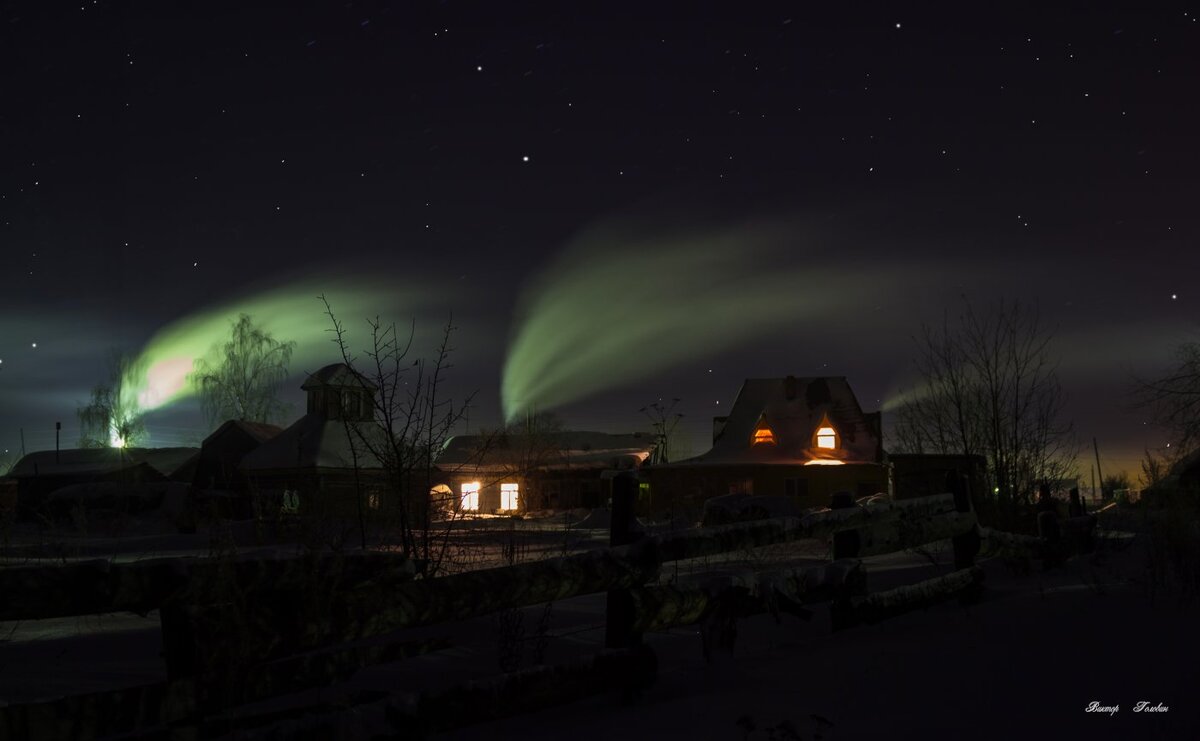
point(240, 379)
point(412, 423)
point(1174, 398)
point(112, 418)
point(990, 388)
point(663, 419)
point(1154, 468)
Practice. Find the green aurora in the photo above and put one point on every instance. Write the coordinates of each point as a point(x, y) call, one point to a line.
point(159, 374)
point(621, 304)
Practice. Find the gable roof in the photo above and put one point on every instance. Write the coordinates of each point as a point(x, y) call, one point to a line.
point(792, 408)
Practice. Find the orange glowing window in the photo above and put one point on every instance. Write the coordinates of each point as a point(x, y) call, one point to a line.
point(826, 437)
point(764, 436)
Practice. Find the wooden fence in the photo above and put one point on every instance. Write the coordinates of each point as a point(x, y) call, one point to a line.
point(239, 632)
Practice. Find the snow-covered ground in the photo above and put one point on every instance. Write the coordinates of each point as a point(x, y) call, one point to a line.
point(1025, 662)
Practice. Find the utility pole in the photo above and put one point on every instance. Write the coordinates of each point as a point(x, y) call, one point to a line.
point(22, 442)
point(1099, 473)
point(57, 429)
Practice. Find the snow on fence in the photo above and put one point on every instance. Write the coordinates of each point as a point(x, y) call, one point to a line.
point(270, 633)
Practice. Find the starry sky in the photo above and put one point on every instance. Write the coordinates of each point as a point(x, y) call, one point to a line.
point(674, 197)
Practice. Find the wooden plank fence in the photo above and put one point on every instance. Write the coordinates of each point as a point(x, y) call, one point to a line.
point(273, 635)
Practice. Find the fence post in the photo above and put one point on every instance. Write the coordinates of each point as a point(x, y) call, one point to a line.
point(846, 543)
point(619, 616)
point(178, 641)
point(966, 546)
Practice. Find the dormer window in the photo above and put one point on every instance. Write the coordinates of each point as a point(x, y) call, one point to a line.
point(826, 438)
point(763, 436)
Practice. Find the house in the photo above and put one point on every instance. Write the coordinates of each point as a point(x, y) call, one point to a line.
point(320, 460)
point(802, 438)
point(41, 473)
point(216, 465)
point(516, 472)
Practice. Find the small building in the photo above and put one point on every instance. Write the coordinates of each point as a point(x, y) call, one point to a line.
point(801, 438)
point(216, 466)
point(41, 473)
point(514, 472)
point(320, 460)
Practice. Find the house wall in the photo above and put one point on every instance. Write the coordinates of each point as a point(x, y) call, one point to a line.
point(576, 488)
point(322, 492)
point(682, 490)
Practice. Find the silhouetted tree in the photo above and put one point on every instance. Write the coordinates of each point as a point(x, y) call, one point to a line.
point(1154, 468)
point(112, 418)
point(989, 387)
point(1116, 482)
point(1174, 398)
point(664, 419)
point(240, 378)
point(412, 423)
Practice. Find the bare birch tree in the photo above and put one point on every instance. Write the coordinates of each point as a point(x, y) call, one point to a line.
point(990, 388)
point(240, 378)
point(112, 417)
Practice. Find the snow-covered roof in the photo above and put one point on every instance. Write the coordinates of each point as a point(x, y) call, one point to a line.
point(99, 461)
point(314, 441)
point(337, 375)
point(561, 450)
point(259, 431)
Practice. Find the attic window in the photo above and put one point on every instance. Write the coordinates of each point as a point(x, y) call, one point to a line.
point(826, 437)
point(764, 436)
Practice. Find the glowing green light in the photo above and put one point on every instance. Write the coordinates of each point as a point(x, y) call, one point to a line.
point(292, 313)
point(620, 305)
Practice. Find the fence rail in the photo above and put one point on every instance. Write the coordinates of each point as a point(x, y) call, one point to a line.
point(289, 638)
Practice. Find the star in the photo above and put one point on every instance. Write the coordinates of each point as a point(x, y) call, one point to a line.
point(525, 158)
point(1174, 296)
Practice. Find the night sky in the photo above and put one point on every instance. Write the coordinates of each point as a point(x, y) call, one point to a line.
point(626, 201)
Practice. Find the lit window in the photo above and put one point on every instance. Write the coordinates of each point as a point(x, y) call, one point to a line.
point(826, 437)
point(373, 501)
point(509, 496)
point(764, 436)
point(470, 497)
